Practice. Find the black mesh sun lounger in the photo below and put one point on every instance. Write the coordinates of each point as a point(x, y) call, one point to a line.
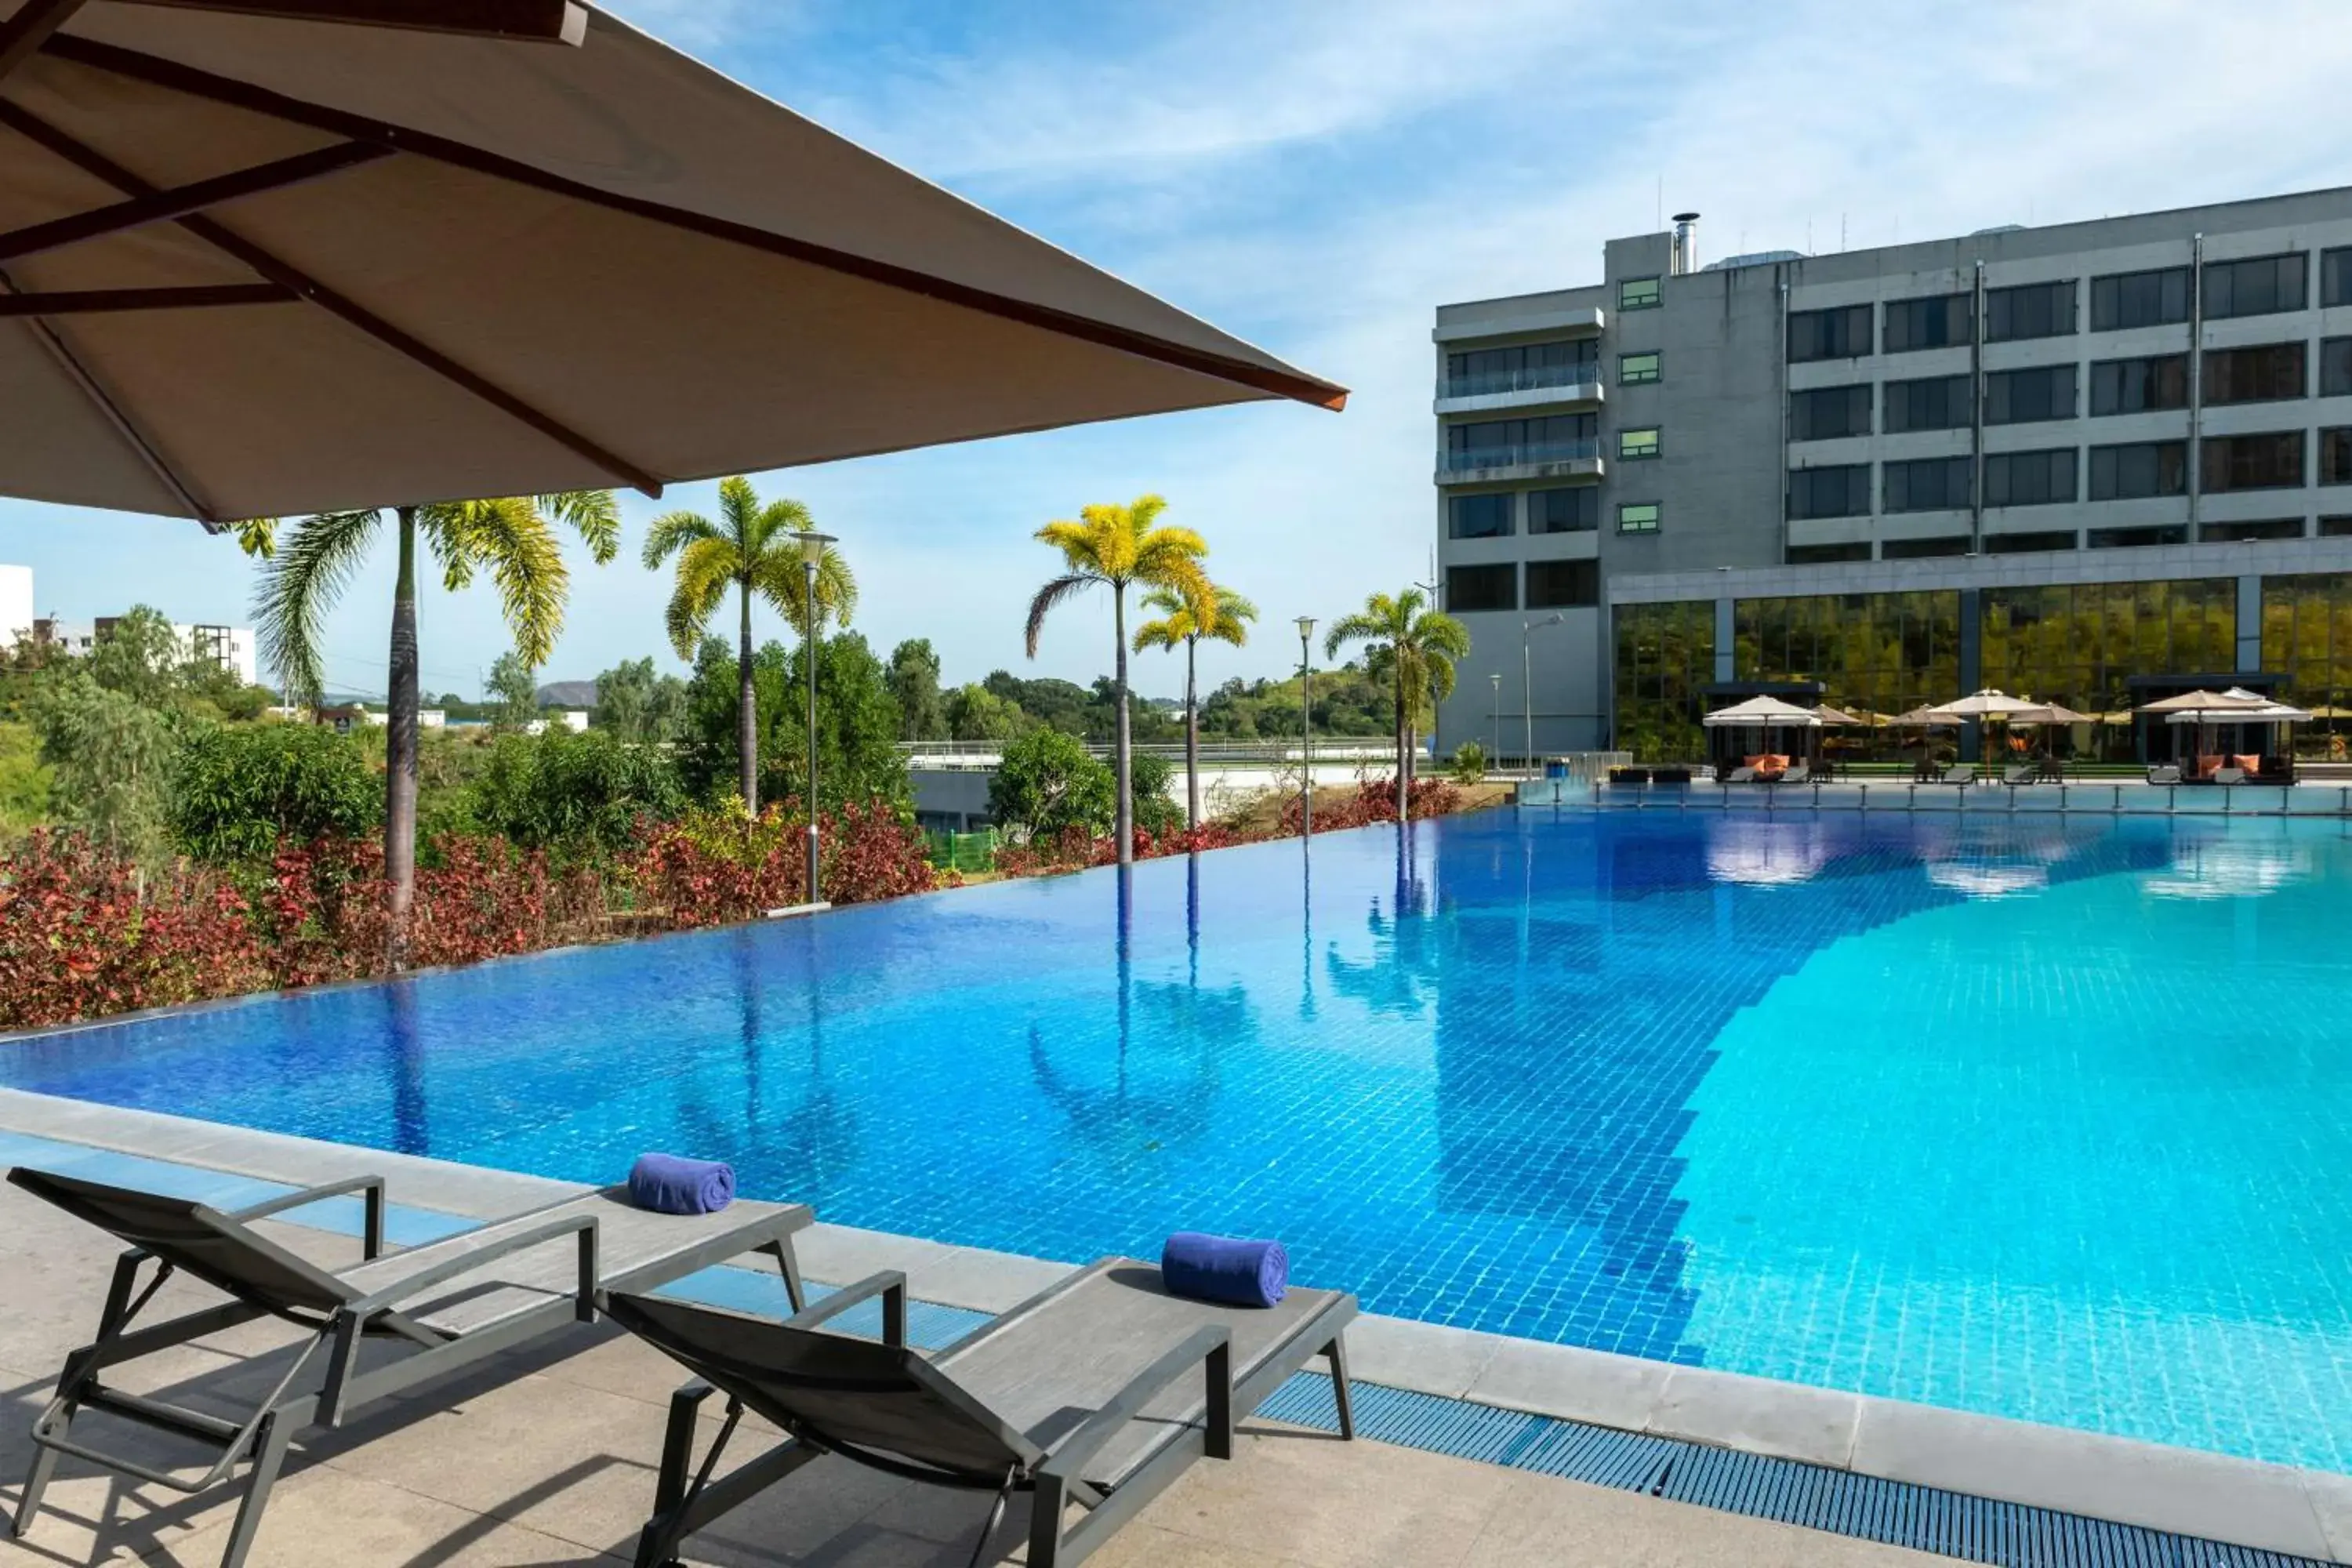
point(1095, 1395)
point(452, 1303)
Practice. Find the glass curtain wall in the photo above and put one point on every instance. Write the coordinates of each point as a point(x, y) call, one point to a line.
point(1874, 653)
point(1664, 660)
point(2308, 638)
point(2077, 644)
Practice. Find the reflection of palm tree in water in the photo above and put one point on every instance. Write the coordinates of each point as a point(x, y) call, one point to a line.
point(814, 1142)
point(411, 1131)
point(1405, 942)
point(1183, 1026)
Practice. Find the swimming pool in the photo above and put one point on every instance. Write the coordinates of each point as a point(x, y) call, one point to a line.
point(2039, 1116)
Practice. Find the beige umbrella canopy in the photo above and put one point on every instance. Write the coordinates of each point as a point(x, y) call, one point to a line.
point(1765, 712)
point(1985, 704)
point(261, 261)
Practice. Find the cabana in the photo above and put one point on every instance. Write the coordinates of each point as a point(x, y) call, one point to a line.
point(1762, 719)
point(2252, 749)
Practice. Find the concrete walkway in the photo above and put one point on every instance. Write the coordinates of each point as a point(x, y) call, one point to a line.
point(548, 1458)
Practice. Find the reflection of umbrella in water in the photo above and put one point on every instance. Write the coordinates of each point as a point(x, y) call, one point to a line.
point(1766, 853)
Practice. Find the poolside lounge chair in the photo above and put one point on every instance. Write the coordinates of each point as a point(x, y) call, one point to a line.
point(1802, 772)
point(2229, 775)
point(1959, 773)
point(2017, 774)
point(1095, 1393)
point(455, 1301)
point(1742, 774)
point(2164, 774)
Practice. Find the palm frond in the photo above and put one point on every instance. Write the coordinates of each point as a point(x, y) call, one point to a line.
point(1229, 619)
point(705, 569)
point(1078, 545)
point(508, 538)
point(672, 532)
point(1359, 627)
point(1170, 632)
point(299, 585)
point(1050, 595)
point(780, 576)
point(257, 536)
point(739, 508)
point(594, 515)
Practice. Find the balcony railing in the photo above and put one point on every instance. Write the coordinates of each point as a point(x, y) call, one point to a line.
point(1528, 378)
point(1467, 459)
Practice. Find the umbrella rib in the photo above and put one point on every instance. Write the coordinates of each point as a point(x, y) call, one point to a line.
point(22, 35)
point(177, 202)
point(105, 301)
point(51, 340)
point(226, 240)
point(540, 21)
point(175, 76)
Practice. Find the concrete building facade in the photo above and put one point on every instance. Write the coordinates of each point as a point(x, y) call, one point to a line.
point(15, 604)
point(1779, 447)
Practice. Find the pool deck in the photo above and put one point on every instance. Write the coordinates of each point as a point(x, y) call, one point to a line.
point(548, 1458)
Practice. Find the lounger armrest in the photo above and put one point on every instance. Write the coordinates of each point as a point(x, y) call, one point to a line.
point(371, 1186)
point(1212, 1344)
point(470, 1260)
point(890, 1285)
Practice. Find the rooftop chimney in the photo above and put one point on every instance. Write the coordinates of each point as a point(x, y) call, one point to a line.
point(1685, 243)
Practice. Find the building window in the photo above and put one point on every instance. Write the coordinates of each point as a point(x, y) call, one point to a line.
point(2242, 532)
point(2335, 528)
point(1573, 510)
point(2336, 277)
point(1496, 443)
point(1936, 321)
point(2030, 311)
point(1826, 413)
point(2139, 299)
point(1664, 660)
point(2262, 374)
point(1478, 517)
point(2042, 477)
point(1641, 443)
point(2024, 396)
point(2135, 538)
point(2259, 286)
point(1563, 584)
point(1842, 491)
point(1637, 517)
point(1930, 484)
point(2335, 367)
point(1840, 333)
point(2028, 543)
point(1637, 294)
point(2269, 461)
point(2142, 468)
point(1493, 587)
point(1822, 554)
point(1938, 403)
point(2335, 456)
point(1922, 549)
point(1474, 372)
point(1635, 369)
point(2140, 386)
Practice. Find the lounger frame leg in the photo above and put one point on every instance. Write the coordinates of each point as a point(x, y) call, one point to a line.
point(789, 1263)
point(270, 1455)
point(1336, 1352)
point(36, 1480)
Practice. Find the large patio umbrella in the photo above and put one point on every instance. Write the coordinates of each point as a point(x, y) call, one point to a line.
point(1763, 711)
point(2203, 708)
point(260, 259)
point(1986, 703)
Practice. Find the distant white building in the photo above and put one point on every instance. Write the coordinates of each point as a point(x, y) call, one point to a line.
point(15, 604)
point(231, 648)
point(572, 719)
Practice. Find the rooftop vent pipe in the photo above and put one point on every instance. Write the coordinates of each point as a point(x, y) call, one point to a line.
point(1685, 259)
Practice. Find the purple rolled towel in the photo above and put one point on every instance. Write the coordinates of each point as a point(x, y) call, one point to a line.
point(670, 1184)
point(1224, 1269)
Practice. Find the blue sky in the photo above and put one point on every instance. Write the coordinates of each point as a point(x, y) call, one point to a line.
point(1316, 177)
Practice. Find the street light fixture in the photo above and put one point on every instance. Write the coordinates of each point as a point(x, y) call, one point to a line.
point(1526, 682)
point(1497, 677)
point(1305, 726)
point(812, 545)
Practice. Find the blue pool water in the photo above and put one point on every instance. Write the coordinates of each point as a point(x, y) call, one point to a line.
point(2039, 1116)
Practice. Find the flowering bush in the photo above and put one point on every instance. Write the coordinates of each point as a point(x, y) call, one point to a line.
point(716, 865)
point(83, 934)
point(1374, 800)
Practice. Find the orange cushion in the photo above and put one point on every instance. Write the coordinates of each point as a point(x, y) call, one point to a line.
point(2251, 765)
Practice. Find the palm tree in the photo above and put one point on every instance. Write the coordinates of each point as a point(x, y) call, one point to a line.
point(1413, 647)
point(512, 539)
point(1119, 545)
point(1225, 617)
point(751, 548)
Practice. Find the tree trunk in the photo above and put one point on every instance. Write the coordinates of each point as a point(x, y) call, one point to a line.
point(1402, 784)
point(1122, 759)
point(747, 712)
point(1191, 738)
point(400, 751)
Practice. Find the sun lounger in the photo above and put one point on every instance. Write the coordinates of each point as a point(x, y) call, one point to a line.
point(1094, 1395)
point(1959, 773)
point(2166, 774)
point(2017, 774)
point(1740, 776)
point(452, 1302)
point(2229, 775)
point(1801, 774)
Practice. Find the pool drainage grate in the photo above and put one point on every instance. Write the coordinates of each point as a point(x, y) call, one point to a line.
point(1789, 1491)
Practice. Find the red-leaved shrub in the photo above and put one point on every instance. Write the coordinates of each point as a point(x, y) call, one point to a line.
point(717, 866)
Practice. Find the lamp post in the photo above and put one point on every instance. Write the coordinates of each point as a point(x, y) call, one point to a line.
point(1526, 681)
point(812, 545)
point(1497, 677)
point(1306, 727)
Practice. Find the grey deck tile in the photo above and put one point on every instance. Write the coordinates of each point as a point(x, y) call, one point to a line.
point(1571, 1382)
point(1426, 1358)
point(1789, 1420)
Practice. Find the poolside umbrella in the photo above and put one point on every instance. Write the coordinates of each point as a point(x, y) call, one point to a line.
point(263, 260)
point(2200, 708)
point(1768, 711)
point(1985, 704)
point(2047, 714)
point(1829, 715)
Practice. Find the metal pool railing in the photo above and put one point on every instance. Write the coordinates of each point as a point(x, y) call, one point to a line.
point(2100, 799)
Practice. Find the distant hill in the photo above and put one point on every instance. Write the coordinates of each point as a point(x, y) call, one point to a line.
point(568, 694)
